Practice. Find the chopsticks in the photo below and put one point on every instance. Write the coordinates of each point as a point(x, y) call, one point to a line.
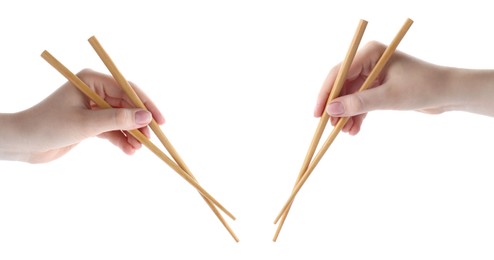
point(154, 125)
point(178, 165)
point(335, 91)
point(308, 165)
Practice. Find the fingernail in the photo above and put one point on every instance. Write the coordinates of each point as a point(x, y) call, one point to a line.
point(336, 109)
point(142, 117)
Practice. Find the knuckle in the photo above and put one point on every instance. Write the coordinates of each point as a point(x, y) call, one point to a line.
point(84, 73)
point(375, 45)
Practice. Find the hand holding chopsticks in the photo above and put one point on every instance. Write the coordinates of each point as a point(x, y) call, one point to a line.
point(180, 168)
point(309, 165)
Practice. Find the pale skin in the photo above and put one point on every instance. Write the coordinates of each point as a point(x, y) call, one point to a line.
point(57, 124)
point(406, 83)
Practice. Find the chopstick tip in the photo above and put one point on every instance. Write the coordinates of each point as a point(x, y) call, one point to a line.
point(46, 55)
point(92, 39)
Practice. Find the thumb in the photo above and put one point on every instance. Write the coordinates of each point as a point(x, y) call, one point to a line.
point(111, 119)
point(357, 103)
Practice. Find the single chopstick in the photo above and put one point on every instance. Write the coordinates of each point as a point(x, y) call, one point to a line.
point(135, 133)
point(335, 92)
point(370, 79)
point(128, 89)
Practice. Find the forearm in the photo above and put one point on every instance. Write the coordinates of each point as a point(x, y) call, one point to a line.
point(472, 90)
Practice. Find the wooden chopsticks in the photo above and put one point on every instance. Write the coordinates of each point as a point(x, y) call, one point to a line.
point(154, 125)
point(178, 165)
point(308, 165)
point(335, 91)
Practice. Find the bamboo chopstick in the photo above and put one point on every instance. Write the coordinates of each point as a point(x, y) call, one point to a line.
point(154, 125)
point(367, 83)
point(135, 133)
point(335, 91)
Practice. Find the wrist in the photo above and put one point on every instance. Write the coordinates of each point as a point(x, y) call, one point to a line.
point(12, 137)
point(471, 90)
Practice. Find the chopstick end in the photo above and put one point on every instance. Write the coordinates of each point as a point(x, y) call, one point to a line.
point(45, 53)
point(92, 39)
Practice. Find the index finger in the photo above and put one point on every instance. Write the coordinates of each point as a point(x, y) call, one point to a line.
point(362, 65)
point(149, 104)
point(108, 88)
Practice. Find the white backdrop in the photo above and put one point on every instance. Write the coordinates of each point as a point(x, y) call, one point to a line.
point(237, 83)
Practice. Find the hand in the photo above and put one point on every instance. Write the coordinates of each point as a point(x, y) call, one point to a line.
point(405, 83)
point(53, 127)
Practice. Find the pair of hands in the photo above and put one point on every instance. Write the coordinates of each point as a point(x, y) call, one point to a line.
point(61, 121)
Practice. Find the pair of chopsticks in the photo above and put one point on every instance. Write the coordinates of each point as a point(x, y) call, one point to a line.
point(177, 164)
point(309, 164)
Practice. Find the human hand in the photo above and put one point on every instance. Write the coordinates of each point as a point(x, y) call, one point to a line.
point(53, 127)
point(405, 83)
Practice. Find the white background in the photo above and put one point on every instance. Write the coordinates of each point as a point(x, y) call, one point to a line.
point(237, 83)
